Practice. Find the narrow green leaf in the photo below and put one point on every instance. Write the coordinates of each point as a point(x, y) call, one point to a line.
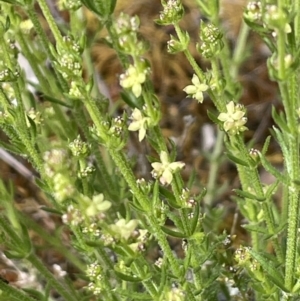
point(57, 101)
point(124, 251)
point(213, 117)
point(195, 218)
point(128, 278)
point(51, 210)
point(134, 295)
point(42, 185)
point(26, 242)
point(131, 100)
point(273, 171)
point(271, 189)
point(266, 145)
point(236, 160)
point(13, 148)
point(256, 228)
point(169, 197)
point(280, 120)
point(34, 293)
point(136, 205)
point(248, 195)
point(155, 197)
point(170, 232)
point(270, 268)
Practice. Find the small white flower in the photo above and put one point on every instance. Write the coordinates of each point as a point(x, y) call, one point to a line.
point(96, 205)
point(233, 119)
point(196, 90)
point(124, 229)
point(164, 170)
point(133, 79)
point(139, 123)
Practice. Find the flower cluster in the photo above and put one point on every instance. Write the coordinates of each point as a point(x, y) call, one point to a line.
point(165, 169)
point(68, 58)
point(196, 89)
point(172, 13)
point(233, 120)
point(211, 40)
point(127, 29)
point(253, 11)
point(79, 148)
point(94, 273)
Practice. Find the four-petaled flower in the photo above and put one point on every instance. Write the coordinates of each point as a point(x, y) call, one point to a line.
point(133, 78)
point(164, 170)
point(196, 89)
point(234, 119)
point(96, 205)
point(139, 123)
point(124, 229)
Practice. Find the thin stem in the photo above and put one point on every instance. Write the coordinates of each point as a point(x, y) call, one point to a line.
point(61, 83)
point(12, 292)
point(50, 278)
point(214, 167)
point(51, 22)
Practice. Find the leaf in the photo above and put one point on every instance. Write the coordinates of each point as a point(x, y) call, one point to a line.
point(26, 242)
point(135, 205)
point(273, 171)
point(51, 210)
point(57, 101)
point(131, 100)
point(280, 120)
point(256, 228)
point(271, 189)
point(134, 295)
point(13, 148)
point(34, 293)
point(125, 250)
point(14, 2)
point(169, 197)
point(42, 185)
point(236, 160)
point(270, 268)
point(127, 277)
point(213, 117)
point(195, 218)
point(248, 195)
point(170, 232)
point(266, 145)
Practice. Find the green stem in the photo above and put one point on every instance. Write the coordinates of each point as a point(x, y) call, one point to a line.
point(50, 278)
point(12, 292)
point(53, 241)
point(213, 170)
point(51, 22)
point(289, 92)
point(62, 84)
point(239, 51)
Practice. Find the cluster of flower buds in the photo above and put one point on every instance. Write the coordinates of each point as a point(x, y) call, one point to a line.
point(68, 58)
point(172, 13)
point(94, 273)
point(211, 40)
point(127, 28)
point(79, 148)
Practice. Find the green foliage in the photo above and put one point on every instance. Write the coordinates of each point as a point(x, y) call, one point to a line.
point(122, 233)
